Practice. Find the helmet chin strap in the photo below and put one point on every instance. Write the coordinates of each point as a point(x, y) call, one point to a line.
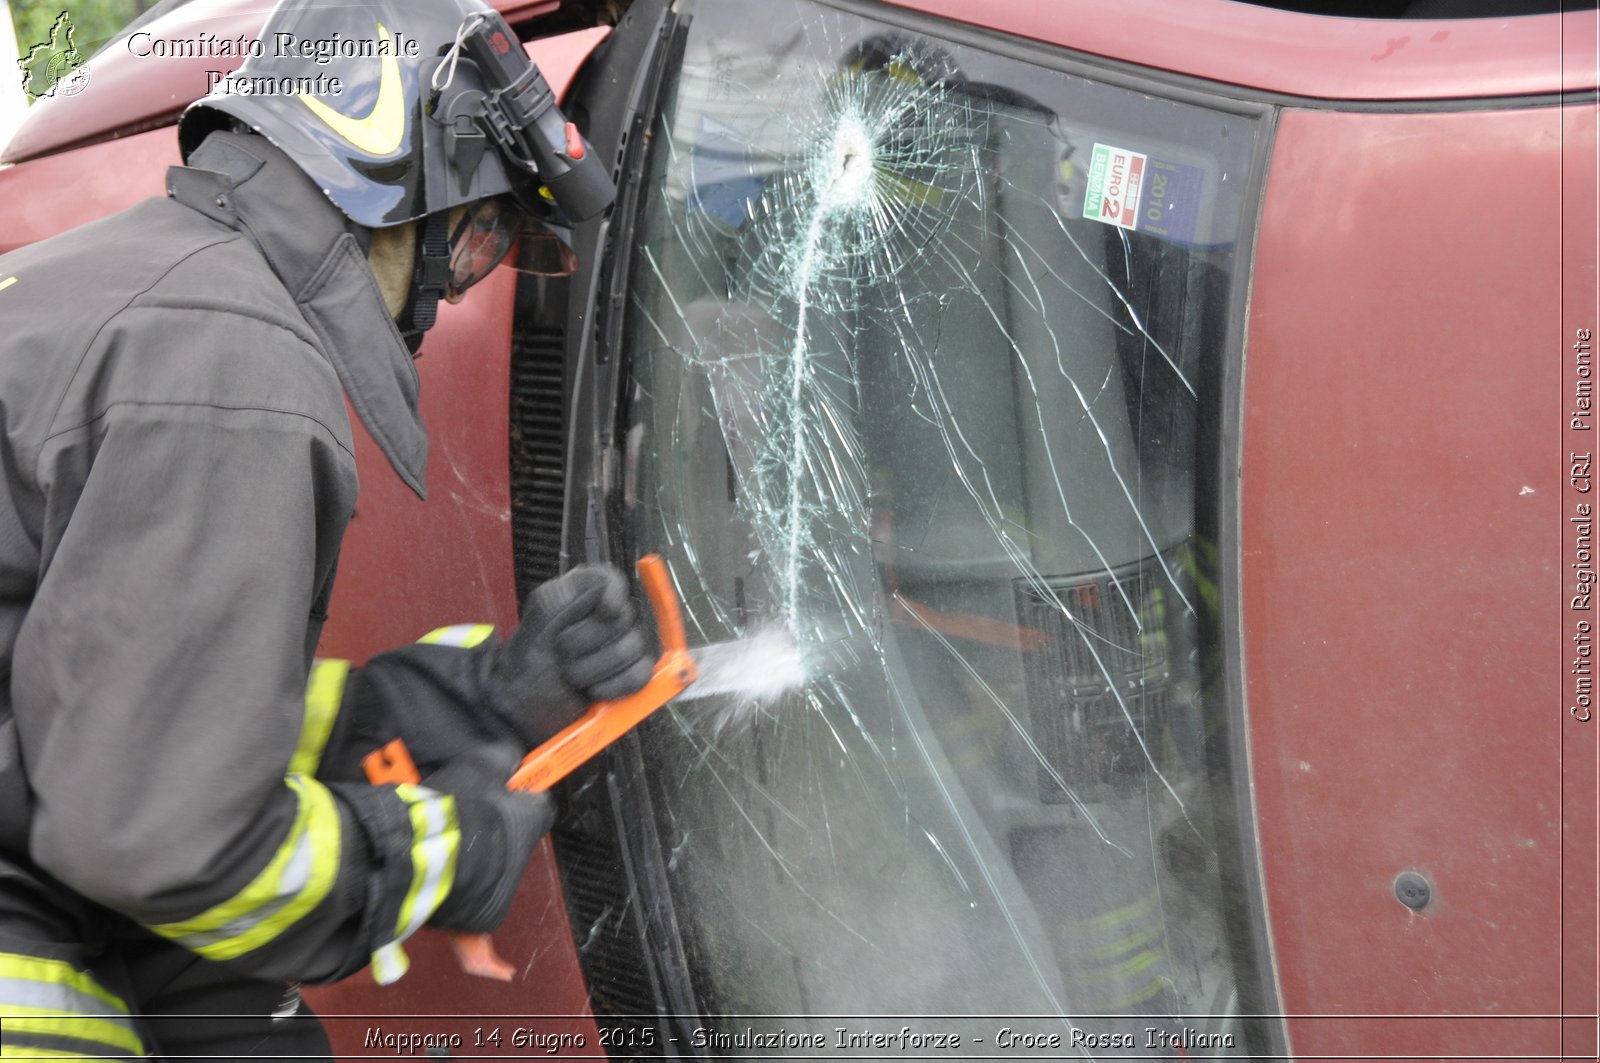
point(430, 276)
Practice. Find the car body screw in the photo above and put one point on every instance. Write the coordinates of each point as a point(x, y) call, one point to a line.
point(1413, 890)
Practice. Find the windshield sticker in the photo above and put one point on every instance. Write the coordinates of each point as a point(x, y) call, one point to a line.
point(1116, 179)
point(1132, 190)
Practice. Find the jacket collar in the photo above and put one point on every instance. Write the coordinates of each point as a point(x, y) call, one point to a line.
point(246, 183)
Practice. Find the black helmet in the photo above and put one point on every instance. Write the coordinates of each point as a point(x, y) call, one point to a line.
point(401, 109)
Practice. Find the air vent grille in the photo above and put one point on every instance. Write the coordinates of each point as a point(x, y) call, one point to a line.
point(1100, 682)
point(538, 453)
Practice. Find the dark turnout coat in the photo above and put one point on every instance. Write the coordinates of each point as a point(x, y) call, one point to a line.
point(177, 470)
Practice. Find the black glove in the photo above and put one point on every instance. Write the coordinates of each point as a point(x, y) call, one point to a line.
point(578, 642)
point(499, 829)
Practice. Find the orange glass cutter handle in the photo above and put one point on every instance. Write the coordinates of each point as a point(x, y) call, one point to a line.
point(602, 724)
point(607, 721)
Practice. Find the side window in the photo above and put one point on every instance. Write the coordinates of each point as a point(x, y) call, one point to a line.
point(925, 346)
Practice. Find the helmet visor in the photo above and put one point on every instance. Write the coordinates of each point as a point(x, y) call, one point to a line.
point(489, 231)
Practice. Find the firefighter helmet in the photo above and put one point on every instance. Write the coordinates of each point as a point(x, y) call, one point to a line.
point(380, 104)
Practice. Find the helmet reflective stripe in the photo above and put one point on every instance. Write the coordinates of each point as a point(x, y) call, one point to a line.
point(369, 149)
point(464, 635)
point(324, 693)
point(436, 843)
point(294, 882)
point(50, 1008)
point(382, 130)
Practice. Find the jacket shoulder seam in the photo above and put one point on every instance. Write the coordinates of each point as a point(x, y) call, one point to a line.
point(333, 436)
point(221, 306)
point(129, 304)
point(95, 339)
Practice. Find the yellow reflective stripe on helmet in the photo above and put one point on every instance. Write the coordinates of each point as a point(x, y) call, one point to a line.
point(435, 846)
point(294, 882)
point(324, 694)
point(465, 636)
point(116, 1033)
point(383, 128)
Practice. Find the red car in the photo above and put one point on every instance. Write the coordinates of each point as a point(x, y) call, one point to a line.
point(1166, 430)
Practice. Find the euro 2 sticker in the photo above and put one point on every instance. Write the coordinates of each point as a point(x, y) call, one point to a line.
point(1136, 191)
point(1116, 178)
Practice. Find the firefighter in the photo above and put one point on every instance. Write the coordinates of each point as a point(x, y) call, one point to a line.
point(185, 830)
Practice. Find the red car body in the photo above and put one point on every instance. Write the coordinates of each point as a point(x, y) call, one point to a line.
point(1415, 450)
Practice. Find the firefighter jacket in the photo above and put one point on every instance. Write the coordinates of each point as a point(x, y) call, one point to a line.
point(178, 474)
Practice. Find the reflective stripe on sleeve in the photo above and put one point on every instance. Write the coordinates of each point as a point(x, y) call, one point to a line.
point(324, 693)
point(36, 1052)
point(464, 635)
point(48, 1007)
point(294, 882)
point(435, 845)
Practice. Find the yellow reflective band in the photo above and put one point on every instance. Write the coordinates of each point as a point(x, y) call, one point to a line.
point(8, 282)
point(55, 973)
point(381, 130)
point(42, 1022)
point(1138, 996)
point(296, 880)
point(435, 847)
point(23, 1052)
point(324, 693)
point(465, 636)
point(1125, 945)
point(902, 71)
point(1127, 914)
point(913, 193)
point(436, 843)
point(1129, 967)
point(390, 963)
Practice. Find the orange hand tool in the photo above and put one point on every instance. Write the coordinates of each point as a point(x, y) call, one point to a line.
point(603, 723)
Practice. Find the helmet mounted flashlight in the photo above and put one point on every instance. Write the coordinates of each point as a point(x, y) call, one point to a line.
point(515, 110)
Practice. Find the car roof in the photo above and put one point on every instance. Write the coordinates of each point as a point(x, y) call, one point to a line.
point(1256, 48)
point(1314, 56)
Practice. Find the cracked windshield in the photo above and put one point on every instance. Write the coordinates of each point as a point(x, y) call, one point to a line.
point(926, 347)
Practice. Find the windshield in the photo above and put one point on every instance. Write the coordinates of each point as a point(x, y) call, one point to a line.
point(925, 346)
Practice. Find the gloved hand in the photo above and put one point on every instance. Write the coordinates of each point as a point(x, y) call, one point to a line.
point(578, 642)
point(499, 829)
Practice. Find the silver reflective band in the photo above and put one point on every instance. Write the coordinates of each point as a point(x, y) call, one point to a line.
point(294, 882)
point(465, 636)
point(48, 1008)
point(436, 842)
